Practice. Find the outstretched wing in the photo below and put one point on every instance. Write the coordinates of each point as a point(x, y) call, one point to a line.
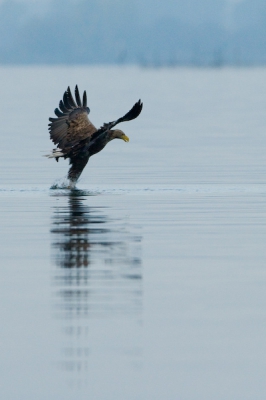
point(131, 114)
point(72, 123)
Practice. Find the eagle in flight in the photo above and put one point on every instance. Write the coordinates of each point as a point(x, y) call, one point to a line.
point(76, 137)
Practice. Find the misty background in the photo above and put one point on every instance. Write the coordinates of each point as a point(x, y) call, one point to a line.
point(148, 33)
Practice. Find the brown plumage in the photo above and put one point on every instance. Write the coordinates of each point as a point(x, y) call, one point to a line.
point(76, 137)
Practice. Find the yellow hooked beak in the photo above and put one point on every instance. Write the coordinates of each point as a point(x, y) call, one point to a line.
point(125, 138)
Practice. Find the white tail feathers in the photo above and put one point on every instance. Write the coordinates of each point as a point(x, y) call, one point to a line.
point(55, 153)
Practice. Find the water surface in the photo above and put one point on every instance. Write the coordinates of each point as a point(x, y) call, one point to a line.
point(148, 280)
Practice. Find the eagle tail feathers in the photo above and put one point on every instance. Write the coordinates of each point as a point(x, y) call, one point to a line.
point(56, 153)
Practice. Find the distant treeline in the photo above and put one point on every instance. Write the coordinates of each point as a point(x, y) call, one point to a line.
point(123, 32)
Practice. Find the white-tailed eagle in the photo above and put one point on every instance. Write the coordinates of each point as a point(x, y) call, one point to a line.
point(76, 137)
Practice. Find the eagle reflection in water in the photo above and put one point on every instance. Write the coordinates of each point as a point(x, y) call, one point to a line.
point(97, 258)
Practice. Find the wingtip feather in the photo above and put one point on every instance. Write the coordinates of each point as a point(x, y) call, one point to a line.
point(77, 96)
point(70, 99)
point(84, 99)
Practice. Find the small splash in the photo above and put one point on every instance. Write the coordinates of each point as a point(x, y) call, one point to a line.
point(63, 183)
point(65, 187)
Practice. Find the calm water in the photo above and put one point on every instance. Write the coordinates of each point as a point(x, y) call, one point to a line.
point(148, 281)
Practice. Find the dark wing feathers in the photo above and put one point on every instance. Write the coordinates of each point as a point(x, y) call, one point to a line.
point(84, 99)
point(70, 98)
point(65, 100)
point(52, 120)
point(131, 114)
point(63, 107)
point(72, 124)
point(77, 96)
point(59, 113)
